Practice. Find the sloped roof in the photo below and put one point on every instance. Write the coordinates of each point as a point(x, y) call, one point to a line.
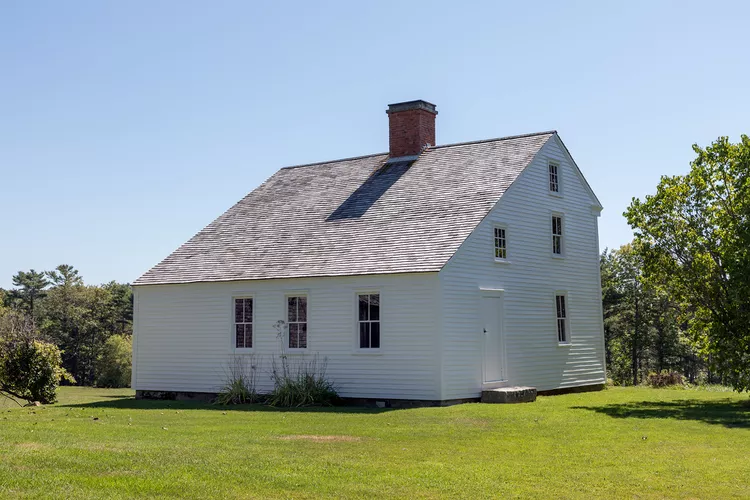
point(355, 216)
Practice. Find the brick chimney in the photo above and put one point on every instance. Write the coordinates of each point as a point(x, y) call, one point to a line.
point(411, 127)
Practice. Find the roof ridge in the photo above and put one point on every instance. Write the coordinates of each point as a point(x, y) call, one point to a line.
point(506, 138)
point(333, 161)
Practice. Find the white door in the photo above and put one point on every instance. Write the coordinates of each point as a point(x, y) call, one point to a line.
point(494, 349)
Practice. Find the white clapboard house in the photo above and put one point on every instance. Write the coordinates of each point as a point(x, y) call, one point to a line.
point(429, 273)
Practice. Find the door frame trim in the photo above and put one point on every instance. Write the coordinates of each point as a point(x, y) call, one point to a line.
point(495, 293)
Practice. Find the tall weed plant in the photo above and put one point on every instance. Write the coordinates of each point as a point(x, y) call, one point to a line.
point(240, 381)
point(301, 382)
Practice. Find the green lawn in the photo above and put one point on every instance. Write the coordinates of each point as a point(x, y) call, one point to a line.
point(622, 442)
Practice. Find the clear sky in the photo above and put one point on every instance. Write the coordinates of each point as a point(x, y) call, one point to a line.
point(125, 127)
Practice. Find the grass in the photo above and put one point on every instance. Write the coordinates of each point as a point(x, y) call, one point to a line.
point(622, 442)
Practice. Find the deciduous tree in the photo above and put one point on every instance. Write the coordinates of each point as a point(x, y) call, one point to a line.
point(694, 237)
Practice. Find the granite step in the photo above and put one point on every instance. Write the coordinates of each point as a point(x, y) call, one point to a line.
point(509, 395)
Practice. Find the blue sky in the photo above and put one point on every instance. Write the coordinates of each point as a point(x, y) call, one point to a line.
point(125, 127)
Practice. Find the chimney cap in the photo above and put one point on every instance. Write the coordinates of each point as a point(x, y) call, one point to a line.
point(410, 105)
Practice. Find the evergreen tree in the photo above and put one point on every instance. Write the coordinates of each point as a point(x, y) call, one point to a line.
point(30, 288)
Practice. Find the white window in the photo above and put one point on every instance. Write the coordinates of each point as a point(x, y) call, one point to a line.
point(296, 308)
point(557, 234)
point(563, 336)
point(554, 178)
point(501, 244)
point(243, 323)
point(368, 322)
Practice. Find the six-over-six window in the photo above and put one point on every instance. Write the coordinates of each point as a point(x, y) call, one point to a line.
point(368, 323)
point(557, 234)
point(562, 319)
point(501, 244)
point(297, 322)
point(243, 323)
point(554, 178)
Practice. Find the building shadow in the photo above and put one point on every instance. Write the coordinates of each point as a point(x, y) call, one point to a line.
point(370, 191)
point(727, 412)
point(130, 403)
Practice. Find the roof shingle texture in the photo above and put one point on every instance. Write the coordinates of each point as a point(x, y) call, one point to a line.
point(353, 217)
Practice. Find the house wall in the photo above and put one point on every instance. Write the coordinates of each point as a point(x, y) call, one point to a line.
point(184, 334)
point(529, 281)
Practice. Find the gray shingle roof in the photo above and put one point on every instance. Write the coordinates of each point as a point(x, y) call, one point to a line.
point(354, 216)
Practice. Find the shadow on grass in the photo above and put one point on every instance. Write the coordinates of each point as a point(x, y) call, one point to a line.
point(130, 403)
point(726, 412)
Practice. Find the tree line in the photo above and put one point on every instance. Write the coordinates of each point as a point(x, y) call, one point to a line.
point(644, 328)
point(90, 325)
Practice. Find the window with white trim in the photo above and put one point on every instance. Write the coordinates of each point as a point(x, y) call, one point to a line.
point(368, 320)
point(563, 336)
point(243, 323)
point(296, 308)
point(557, 234)
point(501, 244)
point(554, 178)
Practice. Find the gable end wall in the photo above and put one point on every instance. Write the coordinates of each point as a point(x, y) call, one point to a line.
point(530, 280)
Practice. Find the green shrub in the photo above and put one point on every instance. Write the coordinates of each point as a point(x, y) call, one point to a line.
point(31, 370)
point(301, 383)
point(665, 379)
point(239, 382)
point(115, 363)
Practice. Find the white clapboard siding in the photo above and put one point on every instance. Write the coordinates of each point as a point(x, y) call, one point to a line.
point(184, 336)
point(530, 281)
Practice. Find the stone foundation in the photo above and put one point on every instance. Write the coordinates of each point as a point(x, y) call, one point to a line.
point(362, 402)
point(403, 403)
point(206, 397)
point(500, 395)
